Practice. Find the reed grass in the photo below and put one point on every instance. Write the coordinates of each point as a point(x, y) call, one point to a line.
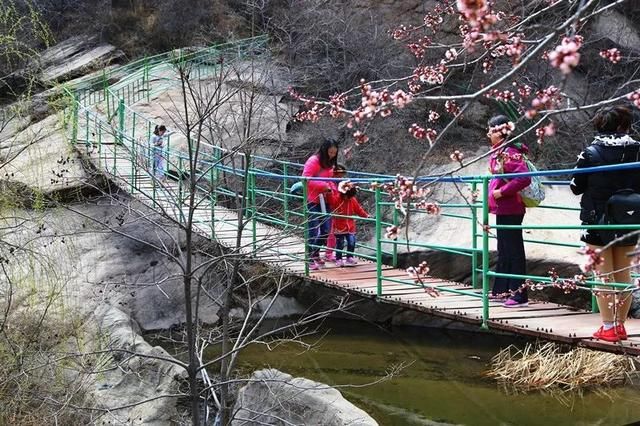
point(548, 367)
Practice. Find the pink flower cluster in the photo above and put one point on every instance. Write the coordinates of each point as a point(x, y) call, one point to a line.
point(391, 232)
point(401, 32)
point(419, 274)
point(501, 95)
point(635, 97)
point(470, 37)
point(505, 129)
point(512, 47)
point(428, 207)
point(432, 21)
point(360, 137)
point(457, 156)
point(565, 56)
point(375, 102)
point(524, 90)
point(452, 107)
point(593, 261)
point(312, 115)
point(430, 74)
point(403, 189)
point(612, 55)
point(545, 131)
point(433, 116)
point(548, 98)
point(337, 102)
point(418, 48)
point(450, 55)
point(422, 133)
point(475, 12)
point(344, 186)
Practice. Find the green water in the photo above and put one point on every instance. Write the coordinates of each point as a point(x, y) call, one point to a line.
point(443, 383)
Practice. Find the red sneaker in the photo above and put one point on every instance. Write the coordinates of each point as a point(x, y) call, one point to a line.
point(622, 332)
point(607, 335)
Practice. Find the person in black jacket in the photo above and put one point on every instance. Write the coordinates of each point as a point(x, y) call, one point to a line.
point(612, 145)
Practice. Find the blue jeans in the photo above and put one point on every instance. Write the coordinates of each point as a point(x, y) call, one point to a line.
point(351, 244)
point(319, 227)
point(158, 162)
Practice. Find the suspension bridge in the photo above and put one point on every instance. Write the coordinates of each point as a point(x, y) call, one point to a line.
point(106, 128)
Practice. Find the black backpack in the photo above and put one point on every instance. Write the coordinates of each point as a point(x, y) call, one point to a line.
point(622, 208)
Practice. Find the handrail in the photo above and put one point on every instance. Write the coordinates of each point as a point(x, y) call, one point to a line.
point(268, 198)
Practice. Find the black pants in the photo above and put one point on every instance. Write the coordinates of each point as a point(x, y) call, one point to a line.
point(511, 258)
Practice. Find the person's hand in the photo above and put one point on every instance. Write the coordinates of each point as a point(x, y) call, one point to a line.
point(497, 194)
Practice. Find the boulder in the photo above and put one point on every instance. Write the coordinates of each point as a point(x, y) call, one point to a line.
point(151, 377)
point(618, 28)
point(273, 397)
point(74, 57)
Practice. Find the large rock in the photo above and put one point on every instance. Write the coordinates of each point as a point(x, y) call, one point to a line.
point(275, 398)
point(150, 379)
point(74, 57)
point(618, 28)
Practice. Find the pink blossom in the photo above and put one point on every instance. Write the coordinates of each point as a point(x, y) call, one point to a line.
point(545, 131)
point(548, 98)
point(612, 55)
point(422, 133)
point(501, 95)
point(565, 56)
point(430, 74)
point(344, 186)
point(360, 137)
point(635, 98)
point(452, 107)
point(505, 129)
point(433, 116)
point(391, 233)
point(456, 156)
point(451, 54)
point(473, 11)
point(401, 98)
point(337, 102)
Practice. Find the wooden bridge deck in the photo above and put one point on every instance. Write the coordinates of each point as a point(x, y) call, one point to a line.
point(278, 248)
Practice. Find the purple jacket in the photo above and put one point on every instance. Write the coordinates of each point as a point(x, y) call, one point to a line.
point(508, 160)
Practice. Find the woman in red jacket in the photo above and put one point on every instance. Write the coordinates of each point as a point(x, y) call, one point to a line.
point(344, 203)
point(506, 203)
point(319, 165)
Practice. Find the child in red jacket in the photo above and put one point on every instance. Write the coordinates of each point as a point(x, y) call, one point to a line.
point(344, 203)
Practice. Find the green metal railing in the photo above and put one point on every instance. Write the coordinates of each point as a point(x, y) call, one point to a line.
point(101, 114)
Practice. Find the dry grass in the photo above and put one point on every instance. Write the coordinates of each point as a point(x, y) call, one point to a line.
point(548, 368)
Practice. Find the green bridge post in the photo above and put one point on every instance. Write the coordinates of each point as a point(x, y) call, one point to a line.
point(474, 237)
point(305, 223)
point(253, 209)
point(74, 118)
point(87, 144)
point(212, 199)
point(395, 244)
point(132, 153)
point(378, 243)
point(285, 193)
point(485, 251)
point(120, 121)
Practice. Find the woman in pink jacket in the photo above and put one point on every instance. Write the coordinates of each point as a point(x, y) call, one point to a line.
point(319, 165)
point(505, 202)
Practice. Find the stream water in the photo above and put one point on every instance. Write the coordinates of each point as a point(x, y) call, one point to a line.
point(443, 382)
